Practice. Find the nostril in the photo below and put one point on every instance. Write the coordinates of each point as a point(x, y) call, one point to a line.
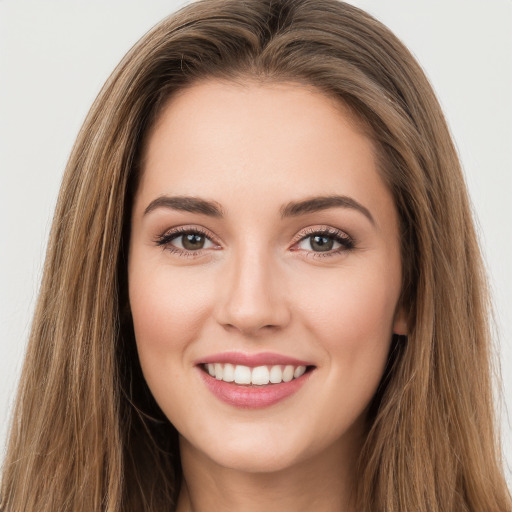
point(250, 328)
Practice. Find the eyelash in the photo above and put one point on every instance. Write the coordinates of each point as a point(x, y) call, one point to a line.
point(165, 240)
point(346, 242)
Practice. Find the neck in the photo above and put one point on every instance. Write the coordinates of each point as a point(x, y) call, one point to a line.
point(323, 483)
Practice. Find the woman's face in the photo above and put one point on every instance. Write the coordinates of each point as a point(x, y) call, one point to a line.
point(262, 237)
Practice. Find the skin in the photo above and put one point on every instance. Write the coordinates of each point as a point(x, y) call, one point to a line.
point(260, 285)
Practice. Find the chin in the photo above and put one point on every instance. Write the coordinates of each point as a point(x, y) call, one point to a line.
point(255, 460)
point(249, 452)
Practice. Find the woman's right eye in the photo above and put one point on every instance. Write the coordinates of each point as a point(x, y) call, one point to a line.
point(186, 241)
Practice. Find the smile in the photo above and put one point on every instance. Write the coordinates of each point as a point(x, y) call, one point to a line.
point(258, 376)
point(252, 381)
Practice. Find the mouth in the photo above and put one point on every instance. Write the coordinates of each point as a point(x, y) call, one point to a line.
point(252, 381)
point(264, 375)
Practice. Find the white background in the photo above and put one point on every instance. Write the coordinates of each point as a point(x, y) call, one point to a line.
point(55, 55)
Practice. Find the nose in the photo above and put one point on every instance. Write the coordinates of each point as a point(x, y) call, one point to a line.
point(254, 295)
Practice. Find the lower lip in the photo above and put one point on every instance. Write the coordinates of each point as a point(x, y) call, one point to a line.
point(252, 397)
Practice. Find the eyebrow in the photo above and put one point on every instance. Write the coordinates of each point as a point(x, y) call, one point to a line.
point(316, 204)
point(291, 209)
point(186, 204)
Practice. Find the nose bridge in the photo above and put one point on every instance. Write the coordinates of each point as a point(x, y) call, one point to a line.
point(254, 296)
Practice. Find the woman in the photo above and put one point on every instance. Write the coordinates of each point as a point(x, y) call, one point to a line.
point(262, 285)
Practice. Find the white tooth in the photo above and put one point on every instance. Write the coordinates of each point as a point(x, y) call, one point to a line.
point(229, 373)
point(288, 373)
point(218, 371)
point(211, 369)
point(299, 371)
point(260, 375)
point(242, 374)
point(276, 375)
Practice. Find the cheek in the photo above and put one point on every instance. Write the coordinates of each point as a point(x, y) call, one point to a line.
point(353, 328)
point(352, 302)
point(350, 316)
point(169, 308)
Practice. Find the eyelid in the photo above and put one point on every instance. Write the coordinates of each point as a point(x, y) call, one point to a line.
point(321, 230)
point(345, 240)
point(168, 235)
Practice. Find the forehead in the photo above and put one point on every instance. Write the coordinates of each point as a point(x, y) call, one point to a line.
point(258, 141)
point(260, 107)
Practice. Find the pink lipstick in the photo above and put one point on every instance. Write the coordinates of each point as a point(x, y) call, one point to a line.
point(253, 381)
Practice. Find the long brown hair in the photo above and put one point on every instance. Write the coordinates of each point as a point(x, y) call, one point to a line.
point(87, 434)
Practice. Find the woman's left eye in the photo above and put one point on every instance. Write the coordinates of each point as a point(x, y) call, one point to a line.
point(325, 242)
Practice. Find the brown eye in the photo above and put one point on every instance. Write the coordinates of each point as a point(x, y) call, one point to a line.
point(187, 241)
point(193, 241)
point(327, 242)
point(321, 243)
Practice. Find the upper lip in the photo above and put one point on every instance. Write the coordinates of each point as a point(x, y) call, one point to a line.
point(258, 359)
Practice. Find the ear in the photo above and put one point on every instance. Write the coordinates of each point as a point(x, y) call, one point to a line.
point(400, 322)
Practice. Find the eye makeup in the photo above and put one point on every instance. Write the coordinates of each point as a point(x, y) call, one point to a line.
point(323, 241)
point(187, 241)
point(318, 241)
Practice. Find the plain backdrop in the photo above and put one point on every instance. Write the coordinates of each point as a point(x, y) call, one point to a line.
point(55, 56)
